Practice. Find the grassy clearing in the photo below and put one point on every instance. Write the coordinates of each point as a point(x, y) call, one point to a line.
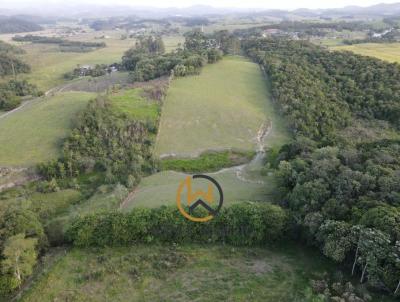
point(34, 133)
point(188, 273)
point(384, 51)
point(196, 117)
point(106, 198)
point(49, 64)
point(99, 84)
point(160, 189)
point(133, 104)
point(222, 108)
point(210, 161)
point(48, 205)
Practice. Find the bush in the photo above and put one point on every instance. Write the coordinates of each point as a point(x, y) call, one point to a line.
point(240, 224)
point(7, 285)
point(209, 161)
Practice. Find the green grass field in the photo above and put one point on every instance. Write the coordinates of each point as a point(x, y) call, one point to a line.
point(49, 65)
point(184, 273)
point(222, 108)
point(34, 133)
point(160, 188)
point(133, 104)
point(384, 51)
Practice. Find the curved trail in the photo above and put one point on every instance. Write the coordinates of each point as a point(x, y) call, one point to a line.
point(263, 132)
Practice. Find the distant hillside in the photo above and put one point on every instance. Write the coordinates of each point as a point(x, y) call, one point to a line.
point(17, 25)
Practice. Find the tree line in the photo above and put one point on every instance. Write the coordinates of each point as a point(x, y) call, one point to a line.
point(65, 45)
point(12, 90)
point(148, 60)
point(343, 191)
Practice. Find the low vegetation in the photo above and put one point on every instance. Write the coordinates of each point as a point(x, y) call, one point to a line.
point(33, 133)
point(217, 114)
point(207, 162)
point(181, 273)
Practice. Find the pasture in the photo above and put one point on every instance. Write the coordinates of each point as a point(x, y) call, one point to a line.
point(179, 273)
point(160, 188)
point(49, 65)
point(384, 51)
point(35, 132)
point(207, 112)
point(133, 104)
point(222, 108)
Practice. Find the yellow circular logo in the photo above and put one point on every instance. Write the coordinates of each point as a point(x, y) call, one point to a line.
point(200, 198)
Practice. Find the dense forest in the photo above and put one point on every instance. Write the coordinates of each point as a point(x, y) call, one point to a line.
point(340, 176)
point(107, 142)
point(148, 60)
point(17, 25)
point(10, 65)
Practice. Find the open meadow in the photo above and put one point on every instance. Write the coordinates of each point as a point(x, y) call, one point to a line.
point(222, 108)
point(34, 133)
point(182, 273)
point(384, 51)
point(49, 64)
point(208, 112)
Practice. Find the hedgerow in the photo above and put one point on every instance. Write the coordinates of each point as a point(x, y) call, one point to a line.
point(243, 224)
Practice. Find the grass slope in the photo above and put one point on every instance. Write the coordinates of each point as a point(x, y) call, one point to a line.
point(221, 108)
point(34, 133)
point(49, 64)
point(134, 105)
point(228, 114)
point(160, 189)
point(384, 51)
point(187, 273)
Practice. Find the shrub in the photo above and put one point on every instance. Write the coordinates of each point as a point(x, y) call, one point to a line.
point(209, 161)
point(240, 224)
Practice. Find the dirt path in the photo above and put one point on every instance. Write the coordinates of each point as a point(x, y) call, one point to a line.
point(128, 198)
point(240, 171)
point(50, 92)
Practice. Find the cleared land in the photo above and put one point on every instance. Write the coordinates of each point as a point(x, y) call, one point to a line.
point(132, 103)
point(187, 273)
point(222, 108)
point(34, 133)
point(384, 51)
point(160, 189)
point(49, 64)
